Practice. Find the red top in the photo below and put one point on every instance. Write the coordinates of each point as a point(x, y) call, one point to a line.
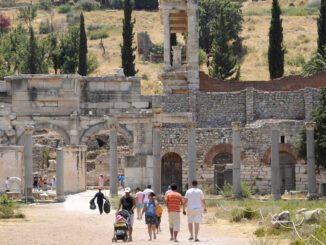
point(174, 201)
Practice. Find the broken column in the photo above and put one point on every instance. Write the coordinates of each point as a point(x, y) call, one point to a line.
point(312, 190)
point(275, 165)
point(113, 159)
point(192, 156)
point(157, 168)
point(237, 193)
point(167, 48)
point(28, 163)
point(60, 176)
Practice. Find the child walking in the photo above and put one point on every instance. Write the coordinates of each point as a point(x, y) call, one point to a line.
point(159, 211)
point(150, 215)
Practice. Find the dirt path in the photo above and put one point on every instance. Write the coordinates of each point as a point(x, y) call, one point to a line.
point(73, 223)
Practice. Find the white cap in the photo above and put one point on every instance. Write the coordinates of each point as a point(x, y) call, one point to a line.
point(127, 189)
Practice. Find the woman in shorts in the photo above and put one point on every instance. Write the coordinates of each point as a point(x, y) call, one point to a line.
point(139, 202)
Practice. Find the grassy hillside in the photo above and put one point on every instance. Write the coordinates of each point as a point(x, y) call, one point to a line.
point(300, 33)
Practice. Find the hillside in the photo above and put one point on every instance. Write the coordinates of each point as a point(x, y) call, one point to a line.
point(299, 26)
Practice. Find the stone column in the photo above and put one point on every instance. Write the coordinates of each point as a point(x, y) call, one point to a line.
point(28, 163)
point(60, 176)
point(275, 165)
point(177, 59)
point(167, 48)
point(312, 190)
point(192, 154)
point(237, 193)
point(113, 159)
point(157, 168)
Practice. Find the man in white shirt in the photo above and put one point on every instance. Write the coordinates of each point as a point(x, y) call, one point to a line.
point(7, 185)
point(194, 199)
point(146, 192)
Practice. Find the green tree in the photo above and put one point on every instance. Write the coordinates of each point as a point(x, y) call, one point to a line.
point(69, 51)
point(223, 62)
point(316, 64)
point(54, 53)
point(32, 53)
point(127, 51)
point(209, 12)
point(321, 26)
point(28, 14)
point(319, 117)
point(276, 50)
point(82, 69)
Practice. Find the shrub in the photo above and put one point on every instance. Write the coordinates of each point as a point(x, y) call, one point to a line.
point(236, 215)
point(62, 9)
point(93, 27)
point(202, 57)
point(297, 61)
point(7, 3)
point(157, 49)
point(87, 5)
point(4, 23)
point(92, 63)
point(227, 190)
point(73, 19)
point(249, 213)
point(260, 232)
point(45, 27)
point(45, 4)
point(246, 190)
point(145, 76)
point(98, 34)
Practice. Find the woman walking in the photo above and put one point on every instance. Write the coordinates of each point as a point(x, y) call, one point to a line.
point(150, 215)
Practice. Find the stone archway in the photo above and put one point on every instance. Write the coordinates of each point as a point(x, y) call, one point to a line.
point(171, 170)
point(47, 125)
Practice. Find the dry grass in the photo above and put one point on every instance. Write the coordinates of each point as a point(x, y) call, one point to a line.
point(299, 38)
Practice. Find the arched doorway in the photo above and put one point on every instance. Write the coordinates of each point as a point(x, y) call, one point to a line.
point(222, 170)
point(287, 171)
point(171, 170)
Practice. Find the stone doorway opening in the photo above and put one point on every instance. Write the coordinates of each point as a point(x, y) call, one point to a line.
point(97, 156)
point(171, 170)
point(222, 171)
point(287, 172)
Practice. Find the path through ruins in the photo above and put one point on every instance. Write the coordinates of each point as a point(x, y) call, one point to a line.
point(73, 222)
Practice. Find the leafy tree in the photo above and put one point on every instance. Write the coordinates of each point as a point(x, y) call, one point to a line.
point(4, 23)
point(69, 51)
point(82, 69)
point(319, 117)
point(54, 52)
point(146, 4)
point(276, 50)
point(316, 64)
point(209, 12)
point(127, 51)
point(224, 62)
point(28, 14)
point(321, 25)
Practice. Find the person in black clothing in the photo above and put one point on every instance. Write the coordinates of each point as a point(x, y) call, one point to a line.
point(127, 202)
point(100, 197)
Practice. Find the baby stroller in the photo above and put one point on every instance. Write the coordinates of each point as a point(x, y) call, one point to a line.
point(121, 226)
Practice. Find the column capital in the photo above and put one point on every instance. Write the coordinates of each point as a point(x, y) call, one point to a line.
point(157, 126)
point(157, 110)
point(28, 129)
point(236, 125)
point(310, 125)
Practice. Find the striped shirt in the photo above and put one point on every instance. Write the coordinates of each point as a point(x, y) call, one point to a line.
point(174, 201)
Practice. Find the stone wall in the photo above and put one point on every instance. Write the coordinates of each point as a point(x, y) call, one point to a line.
point(11, 164)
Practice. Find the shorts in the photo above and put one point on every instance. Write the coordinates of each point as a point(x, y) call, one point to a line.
point(140, 205)
point(195, 216)
point(151, 220)
point(174, 221)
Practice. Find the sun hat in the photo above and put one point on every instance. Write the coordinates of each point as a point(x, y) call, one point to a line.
point(127, 189)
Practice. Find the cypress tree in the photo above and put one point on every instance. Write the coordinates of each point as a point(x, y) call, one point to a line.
point(32, 53)
point(224, 62)
point(321, 26)
point(127, 51)
point(82, 68)
point(276, 50)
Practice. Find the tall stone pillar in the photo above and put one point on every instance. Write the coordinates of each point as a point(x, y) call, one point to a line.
point(60, 176)
point(113, 159)
point(157, 168)
point(192, 154)
point(237, 193)
point(312, 190)
point(275, 165)
point(28, 163)
point(167, 48)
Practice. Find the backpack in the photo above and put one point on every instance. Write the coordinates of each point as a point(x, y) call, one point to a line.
point(150, 209)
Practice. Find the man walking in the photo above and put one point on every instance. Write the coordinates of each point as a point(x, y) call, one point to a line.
point(146, 192)
point(127, 202)
point(174, 202)
point(194, 199)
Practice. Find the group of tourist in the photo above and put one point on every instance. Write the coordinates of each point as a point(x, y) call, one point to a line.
point(146, 203)
point(121, 180)
point(41, 183)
